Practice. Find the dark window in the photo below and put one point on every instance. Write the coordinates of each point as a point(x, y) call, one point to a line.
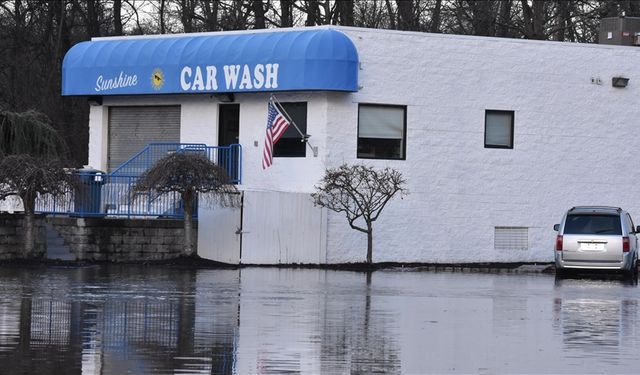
point(498, 129)
point(592, 224)
point(290, 144)
point(381, 131)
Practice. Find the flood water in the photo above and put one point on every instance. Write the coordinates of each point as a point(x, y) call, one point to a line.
point(161, 320)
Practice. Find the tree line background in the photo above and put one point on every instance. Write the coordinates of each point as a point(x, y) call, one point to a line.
point(36, 34)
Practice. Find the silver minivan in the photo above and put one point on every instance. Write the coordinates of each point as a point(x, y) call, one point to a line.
point(595, 237)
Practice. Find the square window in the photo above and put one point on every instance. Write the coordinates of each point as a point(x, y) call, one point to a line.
point(290, 143)
point(498, 129)
point(381, 131)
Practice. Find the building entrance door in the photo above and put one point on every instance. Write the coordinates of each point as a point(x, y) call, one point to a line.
point(228, 134)
point(228, 124)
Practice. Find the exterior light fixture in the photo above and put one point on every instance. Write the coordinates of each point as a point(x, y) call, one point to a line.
point(225, 97)
point(619, 81)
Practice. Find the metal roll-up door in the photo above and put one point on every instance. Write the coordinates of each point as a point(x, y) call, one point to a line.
point(132, 128)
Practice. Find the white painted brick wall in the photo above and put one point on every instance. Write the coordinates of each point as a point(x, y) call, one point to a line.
point(575, 142)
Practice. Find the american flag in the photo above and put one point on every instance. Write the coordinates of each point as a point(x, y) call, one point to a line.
point(276, 126)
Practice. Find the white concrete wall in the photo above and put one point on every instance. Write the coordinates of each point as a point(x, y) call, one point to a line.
point(575, 142)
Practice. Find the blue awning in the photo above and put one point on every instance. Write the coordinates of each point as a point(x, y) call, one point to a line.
point(316, 59)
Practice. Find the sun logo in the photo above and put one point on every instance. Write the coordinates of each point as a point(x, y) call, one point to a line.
point(157, 79)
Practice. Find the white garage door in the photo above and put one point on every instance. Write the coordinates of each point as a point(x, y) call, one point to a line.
point(132, 128)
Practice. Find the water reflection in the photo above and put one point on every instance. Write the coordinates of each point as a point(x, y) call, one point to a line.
point(596, 319)
point(136, 319)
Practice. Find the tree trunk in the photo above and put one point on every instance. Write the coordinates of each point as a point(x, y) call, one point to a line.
point(369, 243)
point(405, 15)
point(93, 24)
point(533, 19)
point(483, 18)
point(538, 19)
point(392, 16)
point(162, 26)
point(286, 18)
point(258, 13)
point(435, 18)
point(312, 13)
point(29, 240)
point(186, 15)
point(117, 17)
point(211, 14)
point(345, 12)
point(504, 19)
point(187, 200)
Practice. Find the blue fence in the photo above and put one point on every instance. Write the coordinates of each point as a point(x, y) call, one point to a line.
point(114, 194)
point(149, 155)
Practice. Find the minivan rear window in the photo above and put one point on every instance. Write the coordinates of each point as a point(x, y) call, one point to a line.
point(593, 224)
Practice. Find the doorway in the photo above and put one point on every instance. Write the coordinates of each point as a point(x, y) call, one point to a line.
point(228, 134)
point(228, 124)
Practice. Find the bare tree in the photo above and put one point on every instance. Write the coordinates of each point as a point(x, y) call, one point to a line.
point(28, 177)
point(30, 152)
point(360, 192)
point(188, 174)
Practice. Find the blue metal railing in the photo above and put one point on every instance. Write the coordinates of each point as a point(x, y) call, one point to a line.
point(113, 194)
point(99, 195)
point(227, 157)
point(149, 155)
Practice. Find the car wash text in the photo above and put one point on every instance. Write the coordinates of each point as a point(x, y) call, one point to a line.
point(236, 77)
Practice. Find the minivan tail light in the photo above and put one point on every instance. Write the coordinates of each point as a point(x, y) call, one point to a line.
point(625, 244)
point(559, 243)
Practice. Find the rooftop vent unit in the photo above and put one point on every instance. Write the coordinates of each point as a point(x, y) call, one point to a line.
point(622, 31)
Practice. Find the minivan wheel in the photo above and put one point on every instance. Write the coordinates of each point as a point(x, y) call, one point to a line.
point(561, 273)
point(632, 273)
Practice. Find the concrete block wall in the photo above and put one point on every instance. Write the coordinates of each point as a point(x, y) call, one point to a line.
point(122, 240)
point(11, 237)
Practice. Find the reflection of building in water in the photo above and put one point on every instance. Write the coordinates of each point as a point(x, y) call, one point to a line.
point(143, 323)
point(596, 325)
point(9, 323)
point(50, 322)
point(153, 330)
point(305, 321)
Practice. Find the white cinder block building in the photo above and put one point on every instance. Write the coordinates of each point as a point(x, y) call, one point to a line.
point(495, 137)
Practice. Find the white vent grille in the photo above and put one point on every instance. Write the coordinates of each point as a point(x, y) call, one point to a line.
point(511, 238)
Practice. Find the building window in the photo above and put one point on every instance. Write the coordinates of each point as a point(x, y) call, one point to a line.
point(290, 144)
point(381, 131)
point(498, 129)
point(511, 238)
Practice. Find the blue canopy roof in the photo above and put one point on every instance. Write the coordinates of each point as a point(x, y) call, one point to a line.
point(316, 59)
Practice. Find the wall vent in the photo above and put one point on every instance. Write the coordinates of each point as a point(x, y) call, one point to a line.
point(511, 238)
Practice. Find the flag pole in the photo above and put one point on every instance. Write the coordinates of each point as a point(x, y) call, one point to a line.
point(305, 137)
